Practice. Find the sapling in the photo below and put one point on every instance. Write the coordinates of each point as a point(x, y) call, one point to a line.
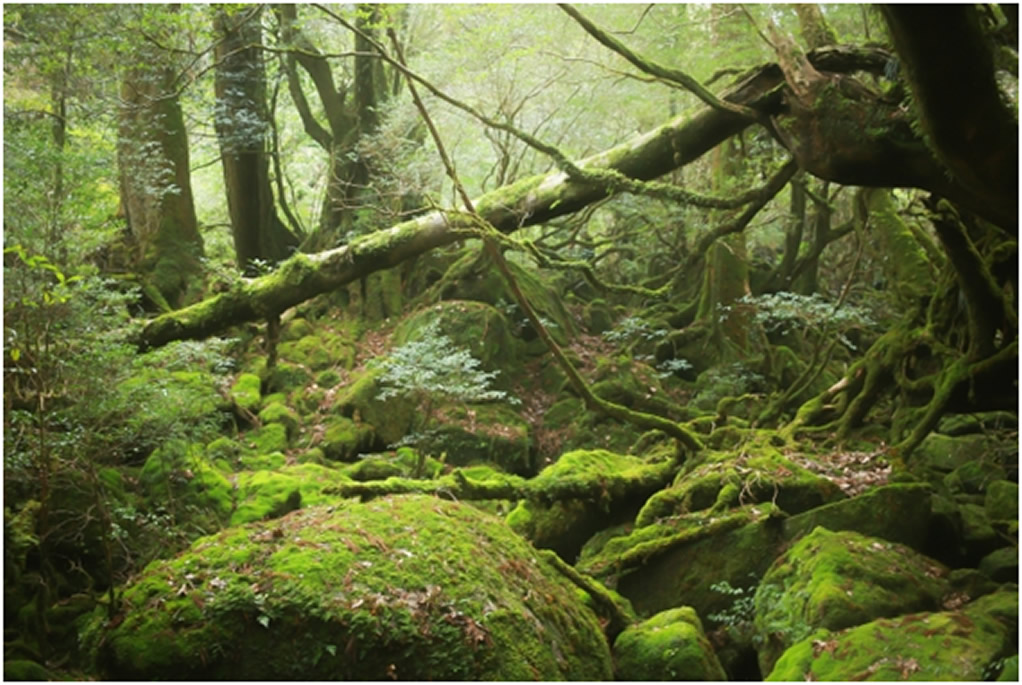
point(432, 371)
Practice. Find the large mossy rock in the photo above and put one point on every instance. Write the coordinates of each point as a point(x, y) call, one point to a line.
point(668, 646)
point(682, 557)
point(729, 479)
point(271, 494)
point(475, 326)
point(491, 433)
point(839, 580)
point(391, 419)
point(966, 644)
point(405, 587)
point(565, 525)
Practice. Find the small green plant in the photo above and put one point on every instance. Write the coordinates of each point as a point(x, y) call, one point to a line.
point(432, 371)
point(786, 312)
point(634, 328)
point(742, 609)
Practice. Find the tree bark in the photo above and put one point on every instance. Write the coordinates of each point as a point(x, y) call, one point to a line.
point(241, 121)
point(156, 191)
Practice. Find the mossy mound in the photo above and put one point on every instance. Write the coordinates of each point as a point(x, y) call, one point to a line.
point(682, 557)
point(493, 433)
point(950, 645)
point(408, 587)
point(319, 351)
point(245, 392)
point(475, 326)
point(272, 437)
point(343, 438)
point(181, 475)
point(1001, 501)
point(839, 580)
point(724, 480)
point(391, 419)
point(565, 525)
point(668, 646)
point(271, 494)
point(278, 412)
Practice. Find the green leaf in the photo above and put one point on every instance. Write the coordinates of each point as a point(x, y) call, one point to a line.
point(264, 620)
point(331, 648)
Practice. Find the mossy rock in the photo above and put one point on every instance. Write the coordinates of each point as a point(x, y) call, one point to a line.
point(268, 461)
point(739, 546)
point(309, 400)
point(493, 433)
point(246, 392)
point(285, 377)
point(409, 587)
point(376, 467)
point(565, 525)
point(1001, 501)
point(839, 580)
point(950, 645)
point(224, 452)
point(319, 351)
point(946, 453)
point(973, 477)
point(343, 438)
point(282, 414)
point(473, 279)
point(25, 670)
point(981, 422)
point(598, 317)
point(637, 386)
point(180, 473)
point(668, 646)
point(1001, 565)
point(271, 437)
point(391, 418)
point(475, 326)
point(271, 494)
point(328, 379)
point(724, 480)
point(296, 329)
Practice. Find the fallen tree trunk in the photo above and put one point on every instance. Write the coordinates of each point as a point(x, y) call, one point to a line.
point(530, 201)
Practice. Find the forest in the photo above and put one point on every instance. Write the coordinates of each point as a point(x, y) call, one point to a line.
point(510, 342)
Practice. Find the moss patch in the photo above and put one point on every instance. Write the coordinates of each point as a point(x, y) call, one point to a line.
point(948, 645)
point(245, 392)
point(839, 580)
point(668, 646)
point(407, 587)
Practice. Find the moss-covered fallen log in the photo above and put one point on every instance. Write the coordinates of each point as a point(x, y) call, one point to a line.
point(530, 201)
point(600, 487)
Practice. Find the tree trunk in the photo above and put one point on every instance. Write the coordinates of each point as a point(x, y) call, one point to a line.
point(242, 126)
point(156, 192)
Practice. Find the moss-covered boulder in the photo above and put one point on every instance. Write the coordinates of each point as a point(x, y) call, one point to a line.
point(973, 477)
point(271, 494)
point(180, 476)
point(723, 480)
point(1001, 565)
point(285, 377)
point(476, 326)
point(25, 670)
point(565, 525)
point(668, 646)
point(966, 644)
point(245, 392)
point(391, 419)
point(271, 437)
point(493, 433)
point(408, 587)
point(839, 580)
point(1001, 501)
point(319, 351)
point(277, 412)
point(342, 438)
point(683, 557)
point(946, 453)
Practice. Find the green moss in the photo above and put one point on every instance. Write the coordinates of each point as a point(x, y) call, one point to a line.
point(375, 467)
point(180, 472)
point(949, 645)
point(482, 432)
point(1001, 501)
point(722, 480)
point(282, 414)
point(391, 419)
point(668, 646)
point(25, 670)
point(246, 392)
point(974, 476)
point(262, 494)
point(318, 352)
point(295, 329)
point(344, 438)
point(838, 580)
point(286, 377)
point(565, 525)
point(415, 587)
point(263, 460)
point(328, 379)
point(271, 437)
